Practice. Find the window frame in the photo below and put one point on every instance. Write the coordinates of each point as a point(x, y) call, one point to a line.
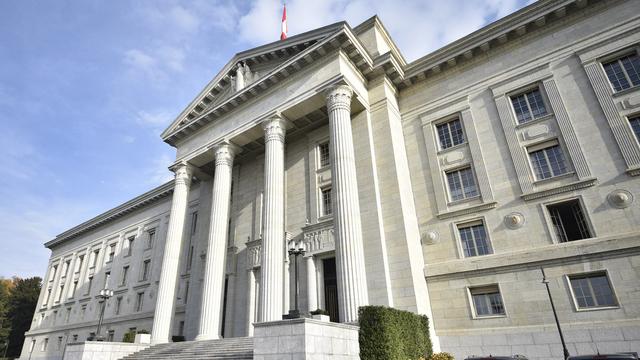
point(322, 210)
point(574, 300)
point(542, 145)
point(450, 199)
point(549, 221)
point(446, 120)
point(615, 56)
point(474, 314)
point(634, 116)
point(139, 301)
point(152, 235)
point(145, 270)
point(320, 165)
point(538, 85)
point(466, 223)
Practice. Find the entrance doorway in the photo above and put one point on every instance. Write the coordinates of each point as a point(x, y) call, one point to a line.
point(331, 288)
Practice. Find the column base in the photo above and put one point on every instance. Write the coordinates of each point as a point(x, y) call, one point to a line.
point(207, 337)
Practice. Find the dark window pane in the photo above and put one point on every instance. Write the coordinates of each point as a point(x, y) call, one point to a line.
point(616, 75)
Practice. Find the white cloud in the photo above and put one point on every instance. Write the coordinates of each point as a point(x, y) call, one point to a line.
point(155, 118)
point(156, 63)
point(158, 172)
point(417, 26)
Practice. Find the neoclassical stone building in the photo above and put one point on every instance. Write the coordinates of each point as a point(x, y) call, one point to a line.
point(441, 186)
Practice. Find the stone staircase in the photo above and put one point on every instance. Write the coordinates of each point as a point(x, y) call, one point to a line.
point(240, 348)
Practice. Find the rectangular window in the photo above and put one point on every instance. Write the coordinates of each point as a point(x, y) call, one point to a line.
point(118, 305)
point(323, 155)
point(139, 301)
point(107, 277)
point(110, 335)
point(151, 237)
point(125, 274)
point(569, 222)
point(635, 126)
point(474, 239)
point(487, 301)
point(60, 291)
point(75, 337)
point(89, 285)
point(325, 201)
point(528, 106)
point(592, 290)
point(47, 297)
point(450, 133)
point(547, 161)
point(95, 258)
point(67, 315)
point(59, 343)
point(83, 312)
point(130, 242)
point(186, 292)
point(54, 270)
point(146, 265)
point(74, 287)
point(112, 253)
point(462, 184)
point(67, 265)
point(45, 343)
point(623, 72)
point(79, 264)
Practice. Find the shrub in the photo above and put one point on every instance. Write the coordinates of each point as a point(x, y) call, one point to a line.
point(441, 356)
point(319, 312)
point(143, 331)
point(129, 337)
point(391, 334)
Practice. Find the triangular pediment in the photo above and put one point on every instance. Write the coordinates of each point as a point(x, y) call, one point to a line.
point(251, 66)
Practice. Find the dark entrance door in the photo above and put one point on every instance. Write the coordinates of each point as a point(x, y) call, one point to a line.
point(331, 288)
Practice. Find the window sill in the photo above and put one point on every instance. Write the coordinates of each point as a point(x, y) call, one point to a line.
point(626, 91)
point(535, 121)
point(325, 217)
point(553, 178)
point(467, 210)
point(597, 308)
point(451, 148)
point(489, 317)
point(560, 189)
point(462, 201)
point(323, 168)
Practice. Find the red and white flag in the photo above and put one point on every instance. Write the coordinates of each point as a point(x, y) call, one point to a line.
point(283, 34)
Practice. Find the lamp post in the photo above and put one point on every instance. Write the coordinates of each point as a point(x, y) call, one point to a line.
point(102, 297)
point(295, 248)
point(555, 315)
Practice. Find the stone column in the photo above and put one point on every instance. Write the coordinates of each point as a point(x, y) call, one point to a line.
point(166, 296)
point(214, 273)
point(320, 284)
point(251, 301)
point(352, 284)
point(312, 291)
point(272, 269)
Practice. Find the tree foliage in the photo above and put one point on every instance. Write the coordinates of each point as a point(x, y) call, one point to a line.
point(20, 305)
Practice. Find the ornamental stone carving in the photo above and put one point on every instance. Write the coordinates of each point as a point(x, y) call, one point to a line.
point(254, 253)
point(536, 131)
point(183, 174)
point(319, 240)
point(430, 237)
point(514, 220)
point(339, 97)
point(274, 129)
point(620, 199)
point(224, 154)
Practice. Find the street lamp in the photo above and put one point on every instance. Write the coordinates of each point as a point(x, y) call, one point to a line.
point(295, 248)
point(102, 297)
point(555, 315)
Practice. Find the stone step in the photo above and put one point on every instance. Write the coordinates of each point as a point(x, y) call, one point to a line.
point(227, 349)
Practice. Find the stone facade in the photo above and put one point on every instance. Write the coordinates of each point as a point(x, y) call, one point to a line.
point(416, 242)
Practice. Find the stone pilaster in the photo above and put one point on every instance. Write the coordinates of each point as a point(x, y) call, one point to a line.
point(272, 269)
point(312, 289)
point(166, 297)
point(251, 300)
point(352, 284)
point(214, 273)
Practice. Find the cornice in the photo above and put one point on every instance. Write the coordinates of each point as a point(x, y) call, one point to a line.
point(136, 203)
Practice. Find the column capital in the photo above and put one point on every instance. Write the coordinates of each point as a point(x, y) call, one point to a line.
point(225, 153)
point(339, 96)
point(183, 173)
point(274, 128)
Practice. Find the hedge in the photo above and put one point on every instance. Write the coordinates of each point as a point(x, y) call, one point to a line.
point(391, 334)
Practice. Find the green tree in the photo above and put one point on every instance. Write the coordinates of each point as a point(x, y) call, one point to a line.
point(5, 291)
point(21, 306)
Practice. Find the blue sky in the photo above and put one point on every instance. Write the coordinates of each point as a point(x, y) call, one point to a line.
point(87, 86)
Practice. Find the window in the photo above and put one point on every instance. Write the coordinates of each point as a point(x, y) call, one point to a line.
point(474, 239)
point(75, 337)
point(45, 343)
point(83, 311)
point(623, 72)
point(110, 335)
point(145, 270)
point(65, 268)
point(592, 290)
point(60, 291)
point(47, 297)
point(54, 317)
point(487, 301)
point(118, 305)
point(95, 258)
point(130, 242)
point(569, 222)
point(74, 287)
point(325, 201)
point(323, 155)
point(181, 328)
point(89, 285)
point(547, 161)
point(107, 277)
point(462, 184)
point(59, 343)
point(112, 253)
point(54, 270)
point(151, 236)
point(139, 301)
point(125, 274)
point(528, 106)
point(186, 292)
point(79, 264)
point(450, 133)
point(635, 126)
point(67, 315)
point(190, 249)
